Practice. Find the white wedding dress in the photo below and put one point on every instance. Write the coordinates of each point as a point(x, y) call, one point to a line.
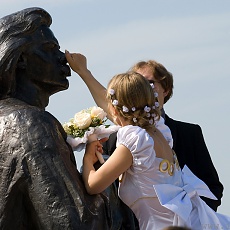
point(159, 193)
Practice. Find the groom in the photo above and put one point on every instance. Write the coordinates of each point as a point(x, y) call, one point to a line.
point(40, 187)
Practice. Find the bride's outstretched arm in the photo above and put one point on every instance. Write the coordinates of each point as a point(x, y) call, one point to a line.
point(78, 64)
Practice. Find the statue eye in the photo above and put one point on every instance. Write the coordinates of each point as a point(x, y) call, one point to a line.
point(50, 46)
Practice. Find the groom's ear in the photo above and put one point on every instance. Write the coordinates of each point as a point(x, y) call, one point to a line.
point(22, 63)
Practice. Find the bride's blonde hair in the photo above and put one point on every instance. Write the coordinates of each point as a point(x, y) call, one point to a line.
point(134, 98)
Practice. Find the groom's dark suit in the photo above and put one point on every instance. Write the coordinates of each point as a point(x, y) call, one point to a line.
point(190, 147)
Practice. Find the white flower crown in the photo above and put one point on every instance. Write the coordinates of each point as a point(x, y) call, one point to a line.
point(147, 109)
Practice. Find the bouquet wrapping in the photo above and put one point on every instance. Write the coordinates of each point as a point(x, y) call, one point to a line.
point(86, 126)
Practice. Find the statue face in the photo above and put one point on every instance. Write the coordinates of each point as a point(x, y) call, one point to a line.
point(45, 63)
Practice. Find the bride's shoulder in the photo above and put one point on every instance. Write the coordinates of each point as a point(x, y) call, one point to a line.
point(130, 129)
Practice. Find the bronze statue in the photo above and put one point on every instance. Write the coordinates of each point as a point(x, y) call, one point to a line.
point(40, 186)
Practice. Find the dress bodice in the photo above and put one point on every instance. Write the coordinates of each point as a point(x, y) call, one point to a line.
point(145, 170)
point(159, 193)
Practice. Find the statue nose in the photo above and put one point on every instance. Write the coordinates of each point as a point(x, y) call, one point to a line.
point(62, 59)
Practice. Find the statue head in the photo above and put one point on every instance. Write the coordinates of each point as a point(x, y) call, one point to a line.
point(31, 64)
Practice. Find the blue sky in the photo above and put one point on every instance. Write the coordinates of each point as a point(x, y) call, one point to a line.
point(191, 38)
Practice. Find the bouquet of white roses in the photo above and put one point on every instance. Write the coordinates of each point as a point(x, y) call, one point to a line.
point(86, 126)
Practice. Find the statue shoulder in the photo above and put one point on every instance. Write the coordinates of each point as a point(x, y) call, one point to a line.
point(20, 118)
point(13, 109)
point(30, 127)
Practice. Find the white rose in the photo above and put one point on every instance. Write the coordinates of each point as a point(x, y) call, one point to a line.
point(98, 112)
point(82, 120)
point(66, 128)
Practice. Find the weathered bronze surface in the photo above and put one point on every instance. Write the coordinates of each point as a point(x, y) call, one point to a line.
point(40, 186)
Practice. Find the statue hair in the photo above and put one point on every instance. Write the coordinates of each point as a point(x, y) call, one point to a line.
point(15, 36)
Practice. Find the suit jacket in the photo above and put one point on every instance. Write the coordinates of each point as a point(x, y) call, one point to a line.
point(190, 147)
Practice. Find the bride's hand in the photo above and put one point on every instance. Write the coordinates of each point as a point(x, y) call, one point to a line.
point(90, 151)
point(103, 140)
point(77, 62)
